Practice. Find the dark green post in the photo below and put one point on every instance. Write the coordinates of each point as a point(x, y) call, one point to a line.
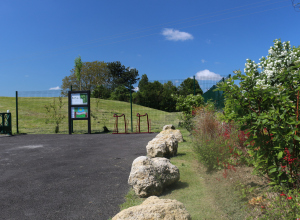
point(71, 120)
point(131, 106)
point(194, 86)
point(17, 125)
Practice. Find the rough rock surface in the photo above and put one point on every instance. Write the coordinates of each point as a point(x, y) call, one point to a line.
point(155, 208)
point(149, 176)
point(168, 127)
point(176, 133)
point(162, 146)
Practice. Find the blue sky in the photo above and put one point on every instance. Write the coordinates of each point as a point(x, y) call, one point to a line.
point(165, 39)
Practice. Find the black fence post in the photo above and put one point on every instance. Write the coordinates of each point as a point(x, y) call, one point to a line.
point(17, 118)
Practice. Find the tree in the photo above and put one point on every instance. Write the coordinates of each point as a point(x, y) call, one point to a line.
point(168, 103)
point(187, 87)
point(121, 93)
point(101, 92)
point(92, 74)
point(143, 83)
point(121, 75)
point(150, 95)
point(78, 65)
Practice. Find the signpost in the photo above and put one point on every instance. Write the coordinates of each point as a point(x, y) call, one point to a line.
point(79, 107)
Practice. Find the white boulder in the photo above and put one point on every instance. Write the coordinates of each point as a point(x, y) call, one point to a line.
point(162, 146)
point(149, 176)
point(156, 209)
point(176, 133)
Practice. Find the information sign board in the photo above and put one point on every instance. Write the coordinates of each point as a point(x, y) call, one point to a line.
point(79, 99)
point(79, 107)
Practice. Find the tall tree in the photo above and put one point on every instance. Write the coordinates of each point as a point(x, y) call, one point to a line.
point(121, 93)
point(121, 75)
point(151, 95)
point(143, 83)
point(187, 87)
point(168, 103)
point(92, 74)
point(78, 65)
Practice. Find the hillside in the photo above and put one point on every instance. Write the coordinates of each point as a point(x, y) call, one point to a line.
point(33, 115)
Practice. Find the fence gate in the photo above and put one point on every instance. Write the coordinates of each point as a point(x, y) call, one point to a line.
point(5, 123)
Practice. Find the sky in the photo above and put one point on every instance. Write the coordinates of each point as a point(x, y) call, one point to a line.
point(165, 39)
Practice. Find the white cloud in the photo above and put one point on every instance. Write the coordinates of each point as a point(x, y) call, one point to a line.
point(217, 63)
point(176, 35)
point(55, 88)
point(207, 75)
point(26, 76)
point(136, 89)
point(208, 41)
point(203, 61)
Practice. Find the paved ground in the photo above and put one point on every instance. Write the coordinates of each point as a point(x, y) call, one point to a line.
point(66, 176)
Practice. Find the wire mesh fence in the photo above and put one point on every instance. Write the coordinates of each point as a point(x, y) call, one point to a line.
point(155, 104)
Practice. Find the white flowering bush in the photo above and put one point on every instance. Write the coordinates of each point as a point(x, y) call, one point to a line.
point(267, 105)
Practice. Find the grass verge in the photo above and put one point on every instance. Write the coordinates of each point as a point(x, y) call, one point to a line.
point(203, 196)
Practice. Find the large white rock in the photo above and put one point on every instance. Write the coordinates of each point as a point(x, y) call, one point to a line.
point(176, 133)
point(149, 176)
point(162, 146)
point(154, 208)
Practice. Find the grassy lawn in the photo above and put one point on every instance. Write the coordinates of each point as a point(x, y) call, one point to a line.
point(33, 115)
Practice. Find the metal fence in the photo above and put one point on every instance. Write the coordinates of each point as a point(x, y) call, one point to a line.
point(217, 96)
point(31, 116)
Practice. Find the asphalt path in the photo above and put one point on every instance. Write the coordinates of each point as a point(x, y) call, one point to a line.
point(66, 176)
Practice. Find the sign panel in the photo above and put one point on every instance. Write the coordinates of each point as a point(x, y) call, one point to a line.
point(79, 112)
point(79, 108)
point(79, 99)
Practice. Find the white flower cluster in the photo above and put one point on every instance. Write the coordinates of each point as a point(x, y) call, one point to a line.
point(280, 57)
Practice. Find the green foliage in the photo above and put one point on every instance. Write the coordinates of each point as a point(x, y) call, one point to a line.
point(78, 65)
point(155, 95)
point(121, 93)
point(92, 74)
point(269, 100)
point(101, 92)
point(187, 87)
point(143, 83)
point(168, 103)
point(186, 106)
point(55, 114)
point(188, 103)
point(120, 75)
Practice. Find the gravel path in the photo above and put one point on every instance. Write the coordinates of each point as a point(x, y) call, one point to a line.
point(66, 176)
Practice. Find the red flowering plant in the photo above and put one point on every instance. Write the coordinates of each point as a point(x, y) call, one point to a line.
point(268, 151)
point(267, 104)
point(209, 144)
